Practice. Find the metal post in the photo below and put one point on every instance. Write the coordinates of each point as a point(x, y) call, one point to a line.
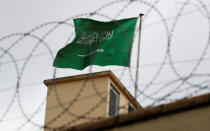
point(137, 67)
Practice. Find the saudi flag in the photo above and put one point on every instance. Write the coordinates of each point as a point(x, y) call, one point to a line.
point(98, 43)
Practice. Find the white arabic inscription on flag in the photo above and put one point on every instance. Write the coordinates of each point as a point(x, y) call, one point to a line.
point(90, 37)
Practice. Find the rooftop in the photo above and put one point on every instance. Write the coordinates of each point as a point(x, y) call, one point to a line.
point(108, 73)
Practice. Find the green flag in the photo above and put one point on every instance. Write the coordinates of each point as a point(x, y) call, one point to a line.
point(98, 43)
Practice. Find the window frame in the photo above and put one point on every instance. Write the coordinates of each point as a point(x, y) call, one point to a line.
point(112, 88)
point(130, 108)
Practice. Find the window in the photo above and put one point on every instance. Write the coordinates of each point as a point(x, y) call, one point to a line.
point(113, 101)
point(130, 108)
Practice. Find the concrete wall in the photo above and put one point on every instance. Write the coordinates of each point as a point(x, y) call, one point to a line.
point(81, 95)
point(197, 119)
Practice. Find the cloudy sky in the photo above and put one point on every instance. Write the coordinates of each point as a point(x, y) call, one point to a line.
point(174, 54)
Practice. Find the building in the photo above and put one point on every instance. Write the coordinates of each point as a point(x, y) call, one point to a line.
point(78, 99)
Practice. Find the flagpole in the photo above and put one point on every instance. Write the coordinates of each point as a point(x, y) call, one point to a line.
point(137, 68)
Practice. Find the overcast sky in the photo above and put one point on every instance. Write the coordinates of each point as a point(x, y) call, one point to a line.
point(187, 34)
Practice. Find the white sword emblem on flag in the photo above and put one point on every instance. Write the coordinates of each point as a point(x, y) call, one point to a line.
point(97, 50)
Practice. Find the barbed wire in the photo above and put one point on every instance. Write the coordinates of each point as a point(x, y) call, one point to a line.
point(164, 93)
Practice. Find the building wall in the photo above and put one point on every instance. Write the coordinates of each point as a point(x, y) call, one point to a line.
point(197, 119)
point(72, 98)
point(81, 95)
